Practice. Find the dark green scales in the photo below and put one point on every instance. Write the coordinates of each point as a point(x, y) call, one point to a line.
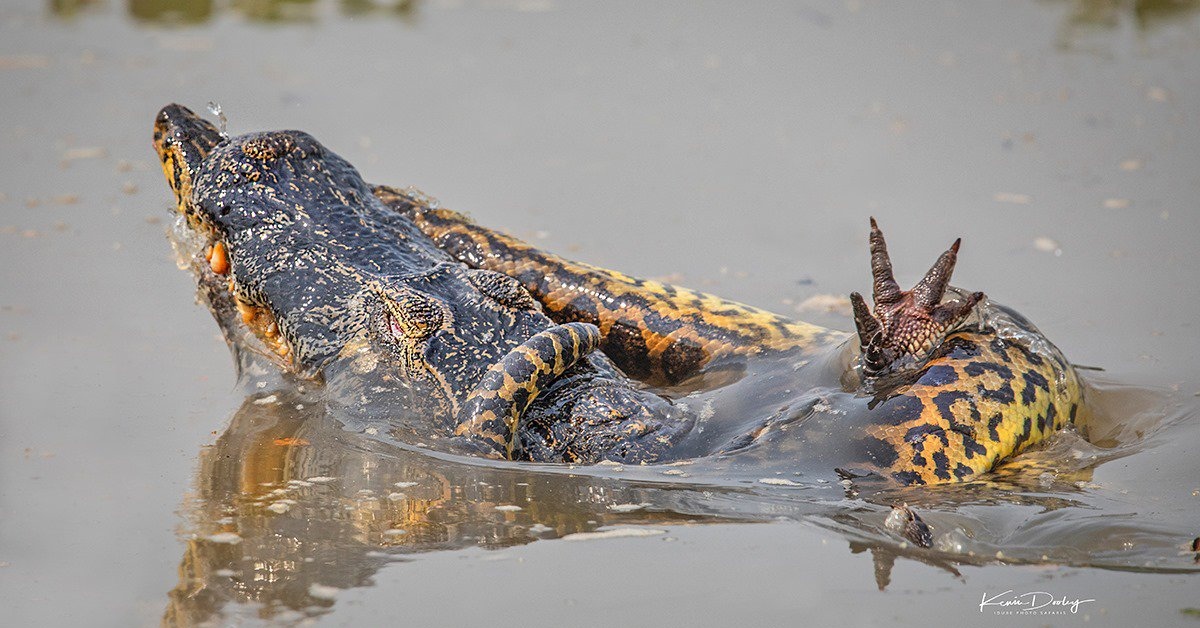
point(314, 251)
point(511, 352)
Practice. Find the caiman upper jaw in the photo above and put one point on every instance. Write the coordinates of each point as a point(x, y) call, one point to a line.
point(906, 325)
point(182, 140)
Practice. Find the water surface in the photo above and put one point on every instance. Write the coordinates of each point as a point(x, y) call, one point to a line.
point(733, 149)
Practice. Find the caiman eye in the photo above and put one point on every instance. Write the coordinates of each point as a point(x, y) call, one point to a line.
point(414, 316)
point(403, 322)
point(395, 327)
point(268, 146)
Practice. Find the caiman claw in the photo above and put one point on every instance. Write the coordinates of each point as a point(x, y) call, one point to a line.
point(906, 325)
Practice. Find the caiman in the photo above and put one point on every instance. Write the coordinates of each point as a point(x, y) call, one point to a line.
point(511, 352)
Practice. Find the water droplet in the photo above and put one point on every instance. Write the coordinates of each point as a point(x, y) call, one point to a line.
point(215, 109)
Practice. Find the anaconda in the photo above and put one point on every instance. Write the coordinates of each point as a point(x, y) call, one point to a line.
point(390, 289)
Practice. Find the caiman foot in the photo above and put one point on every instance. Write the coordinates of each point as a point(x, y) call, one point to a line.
point(906, 324)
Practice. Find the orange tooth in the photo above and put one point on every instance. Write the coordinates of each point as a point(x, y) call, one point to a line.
point(218, 260)
point(247, 311)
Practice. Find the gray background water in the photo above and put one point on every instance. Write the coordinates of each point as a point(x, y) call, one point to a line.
point(734, 148)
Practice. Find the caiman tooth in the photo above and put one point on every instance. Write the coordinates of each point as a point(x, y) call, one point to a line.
point(218, 258)
point(248, 312)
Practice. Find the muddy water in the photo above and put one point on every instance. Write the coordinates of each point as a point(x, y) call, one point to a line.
point(733, 149)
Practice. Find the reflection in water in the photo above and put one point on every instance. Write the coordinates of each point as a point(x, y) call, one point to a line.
point(291, 507)
point(404, 9)
point(185, 12)
point(171, 11)
point(1083, 16)
point(1145, 13)
point(1087, 17)
point(289, 504)
point(72, 8)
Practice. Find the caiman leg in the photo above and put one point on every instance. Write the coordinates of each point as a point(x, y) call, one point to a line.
point(653, 331)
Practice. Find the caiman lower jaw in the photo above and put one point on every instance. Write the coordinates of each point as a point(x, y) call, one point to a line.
point(261, 322)
point(249, 326)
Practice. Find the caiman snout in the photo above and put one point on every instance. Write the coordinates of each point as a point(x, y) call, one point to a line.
point(176, 124)
point(182, 140)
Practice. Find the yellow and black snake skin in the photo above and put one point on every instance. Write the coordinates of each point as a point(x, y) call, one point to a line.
point(983, 396)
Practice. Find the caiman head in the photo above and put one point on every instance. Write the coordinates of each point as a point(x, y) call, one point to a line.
point(320, 271)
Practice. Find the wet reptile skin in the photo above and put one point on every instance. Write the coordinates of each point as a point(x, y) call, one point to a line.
point(375, 286)
point(332, 280)
point(984, 395)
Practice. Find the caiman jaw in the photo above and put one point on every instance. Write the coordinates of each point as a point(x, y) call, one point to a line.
point(183, 140)
point(906, 325)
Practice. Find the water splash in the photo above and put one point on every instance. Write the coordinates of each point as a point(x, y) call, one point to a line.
point(421, 198)
point(215, 109)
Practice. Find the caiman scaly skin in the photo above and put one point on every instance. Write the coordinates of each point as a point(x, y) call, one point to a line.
point(981, 394)
point(497, 341)
point(322, 270)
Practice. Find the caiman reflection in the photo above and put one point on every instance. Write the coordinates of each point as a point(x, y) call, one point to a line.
point(289, 508)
